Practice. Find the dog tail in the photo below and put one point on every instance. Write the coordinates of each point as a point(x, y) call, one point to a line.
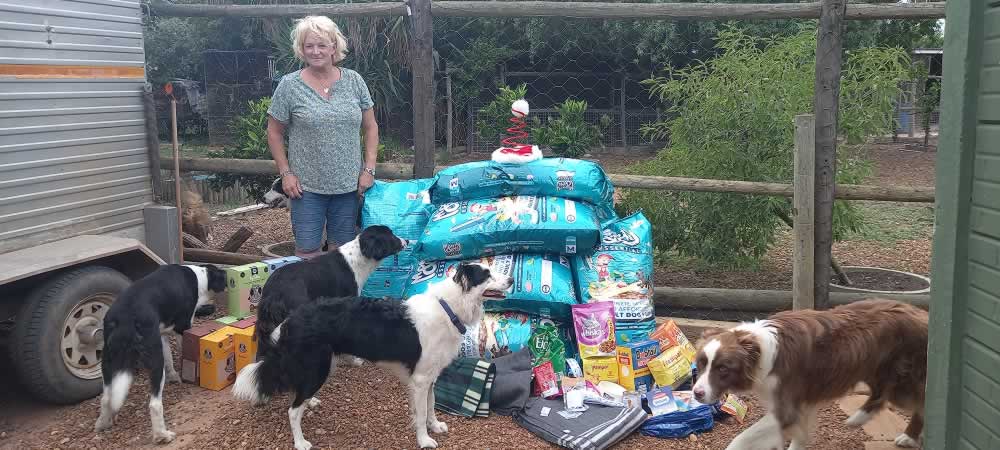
point(258, 381)
point(118, 359)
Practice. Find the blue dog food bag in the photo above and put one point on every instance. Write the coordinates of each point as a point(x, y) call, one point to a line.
point(574, 179)
point(543, 283)
point(521, 224)
point(621, 270)
point(403, 207)
point(503, 333)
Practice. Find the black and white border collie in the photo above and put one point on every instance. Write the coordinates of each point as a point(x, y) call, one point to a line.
point(339, 273)
point(416, 339)
point(276, 197)
point(135, 333)
point(796, 361)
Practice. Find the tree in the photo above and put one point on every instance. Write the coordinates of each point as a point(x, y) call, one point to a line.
point(731, 118)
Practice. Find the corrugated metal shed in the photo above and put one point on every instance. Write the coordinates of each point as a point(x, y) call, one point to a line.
point(73, 156)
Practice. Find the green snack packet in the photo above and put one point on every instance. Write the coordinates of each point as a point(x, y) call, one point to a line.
point(545, 346)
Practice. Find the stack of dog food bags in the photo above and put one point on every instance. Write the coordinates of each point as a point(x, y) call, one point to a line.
point(401, 206)
point(525, 220)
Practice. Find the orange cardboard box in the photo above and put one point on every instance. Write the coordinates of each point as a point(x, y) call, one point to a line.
point(217, 367)
point(246, 346)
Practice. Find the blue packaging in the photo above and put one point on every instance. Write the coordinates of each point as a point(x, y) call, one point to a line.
point(574, 179)
point(621, 270)
point(521, 224)
point(503, 333)
point(543, 283)
point(403, 207)
point(680, 424)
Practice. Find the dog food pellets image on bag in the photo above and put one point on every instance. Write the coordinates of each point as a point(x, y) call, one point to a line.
point(595, 329)
point(621, 270)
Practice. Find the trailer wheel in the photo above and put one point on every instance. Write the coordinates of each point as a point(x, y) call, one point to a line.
point(57, 337)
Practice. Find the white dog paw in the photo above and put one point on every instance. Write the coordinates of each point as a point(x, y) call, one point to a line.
point(303, 445)
point(313, 402)
point(905, 440)
point(164, 437)
point(357, 362)
point(102, 424)
point(437, 427)
point(860, 417)
point(426, 442)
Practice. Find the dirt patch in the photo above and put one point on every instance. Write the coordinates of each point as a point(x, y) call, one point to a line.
point(882, 280)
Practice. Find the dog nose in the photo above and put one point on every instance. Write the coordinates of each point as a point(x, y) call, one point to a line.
point(699, 393)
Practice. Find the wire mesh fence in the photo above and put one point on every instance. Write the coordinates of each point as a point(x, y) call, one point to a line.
point(232, 80)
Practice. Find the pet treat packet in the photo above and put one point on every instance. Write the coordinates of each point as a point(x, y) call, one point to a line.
point(595, 329)
point(621, 270)
point(546, 381)
point(735, 407)
point(671, 368)
point(670, 335)
point(570, 178)
point(546, 347)
point(519, 224)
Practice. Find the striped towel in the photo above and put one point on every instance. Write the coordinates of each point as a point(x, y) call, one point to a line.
point(464, 387)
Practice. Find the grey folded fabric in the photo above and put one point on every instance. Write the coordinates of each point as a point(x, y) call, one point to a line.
point(512, 384)
point(599, 427)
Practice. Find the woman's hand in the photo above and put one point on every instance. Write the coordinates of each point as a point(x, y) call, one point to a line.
point(290, 184)
point(365, 181)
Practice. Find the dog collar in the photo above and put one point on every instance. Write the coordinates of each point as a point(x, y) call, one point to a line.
point(451, 315)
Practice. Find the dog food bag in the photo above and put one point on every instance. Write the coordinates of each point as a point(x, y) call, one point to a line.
point(519, 224)
point(670, 335)
point(671, 368)
point(595, 329)
point(574, 179)
point(543, 284)
point(621, 270)
point(403, 207)
point(546, 347)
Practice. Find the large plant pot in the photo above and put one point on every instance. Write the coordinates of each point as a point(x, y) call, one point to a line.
point(279, 249)
point(877, 280)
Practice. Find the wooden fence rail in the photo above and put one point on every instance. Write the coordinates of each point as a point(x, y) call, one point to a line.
point(583, 10)
point(394, 171)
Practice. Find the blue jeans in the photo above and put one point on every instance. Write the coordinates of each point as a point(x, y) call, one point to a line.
point(338, 212)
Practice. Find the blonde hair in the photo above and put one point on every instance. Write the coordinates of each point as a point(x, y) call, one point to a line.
point(323, 27)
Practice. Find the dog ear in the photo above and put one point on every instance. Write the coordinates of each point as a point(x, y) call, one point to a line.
point(709, 332)
point(749, 343)
point(216, 278)
point(461, 277)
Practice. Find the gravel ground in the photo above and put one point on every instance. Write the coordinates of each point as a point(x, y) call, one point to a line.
point(362, 407)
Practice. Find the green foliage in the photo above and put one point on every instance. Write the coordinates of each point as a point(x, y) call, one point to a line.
point(569, 135)
point(494, 120)
point(249, 142)
point(174, 49)
point(732, 118)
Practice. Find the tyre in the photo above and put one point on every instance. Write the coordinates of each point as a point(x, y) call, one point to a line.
point(57, 346)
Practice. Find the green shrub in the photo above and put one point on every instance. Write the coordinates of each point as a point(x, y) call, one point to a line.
point(249, 132)
point(732, 118)
point(494, 120)
point(569, 135)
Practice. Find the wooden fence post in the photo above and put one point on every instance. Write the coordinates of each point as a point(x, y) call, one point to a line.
point(803, 296)
point(422, 65)
point(153, 144)
point(826, 108)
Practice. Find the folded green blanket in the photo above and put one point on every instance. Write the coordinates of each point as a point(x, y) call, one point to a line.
point(464, 387)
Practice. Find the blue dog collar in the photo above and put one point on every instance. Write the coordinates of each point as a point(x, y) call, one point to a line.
point(451, 315)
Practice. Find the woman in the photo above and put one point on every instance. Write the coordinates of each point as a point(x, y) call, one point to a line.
point(322, 107)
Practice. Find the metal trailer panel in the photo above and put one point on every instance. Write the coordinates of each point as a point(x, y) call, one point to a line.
point(73, 155)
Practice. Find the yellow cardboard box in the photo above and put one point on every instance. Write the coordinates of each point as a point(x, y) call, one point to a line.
point(600, 369)
point(217, 367)
point(246, 346)
point(633, 358)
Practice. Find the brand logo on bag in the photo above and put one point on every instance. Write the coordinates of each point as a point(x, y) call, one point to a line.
point(623, 237)
point(425, 271)
point(452, 249)
point(564, 180)
point(445, 211)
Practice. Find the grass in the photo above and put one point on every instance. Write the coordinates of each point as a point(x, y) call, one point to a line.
point(893, 222)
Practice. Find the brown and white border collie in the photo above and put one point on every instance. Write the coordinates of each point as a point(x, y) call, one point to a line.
point(796, 361)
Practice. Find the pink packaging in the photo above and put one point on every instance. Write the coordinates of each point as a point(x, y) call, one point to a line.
point(595, 328)
point(546, 381)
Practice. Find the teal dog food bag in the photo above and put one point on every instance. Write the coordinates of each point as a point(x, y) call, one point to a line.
point(521, 224)
point(574, 179)
point(403, 207)
point(621, 270)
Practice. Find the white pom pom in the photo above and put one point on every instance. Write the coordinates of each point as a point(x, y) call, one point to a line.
point(519, 108)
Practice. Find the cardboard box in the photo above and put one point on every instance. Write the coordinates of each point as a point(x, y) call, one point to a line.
point(244, 286)
point(191, 349)
point(246, 346)
point(633, 358)
point(274, 264)
point(218, 360)
point(227, 320)
point(245, 323)
point(600, 369)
